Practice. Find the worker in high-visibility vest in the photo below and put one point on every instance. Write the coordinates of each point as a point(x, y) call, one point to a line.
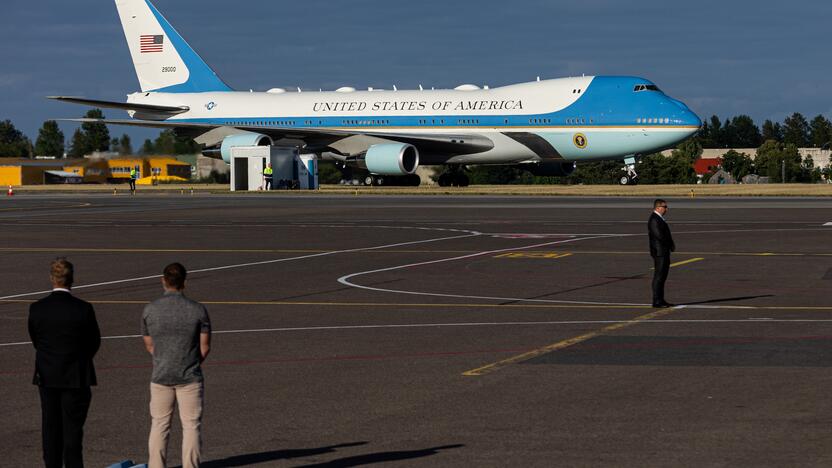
point(268, 173)
point(134, 174)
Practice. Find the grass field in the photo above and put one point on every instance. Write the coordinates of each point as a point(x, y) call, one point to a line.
point(762, 190)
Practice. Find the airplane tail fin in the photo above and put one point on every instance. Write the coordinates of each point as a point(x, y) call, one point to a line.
point(164, 62)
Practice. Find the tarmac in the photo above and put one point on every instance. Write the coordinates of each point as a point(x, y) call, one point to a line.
point(444, 331)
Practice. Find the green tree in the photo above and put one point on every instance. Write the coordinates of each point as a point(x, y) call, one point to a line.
point(78, 146)
point(674, 169)
point(125, 146)
point(147, 148)
point(165, 143)
point(772, 131)
point(96, 135)
point(820, 131)
point(773, 156)
point(601, 172)
point(13, 143)
point(715, 136)
point(737, 164)
point(796, 130)
point(493, 175)
point(50, 140)
point(744, 133)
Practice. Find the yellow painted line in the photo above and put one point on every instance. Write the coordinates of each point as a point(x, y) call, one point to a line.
point(562, 344)
point(548, 255)
point(685, 262)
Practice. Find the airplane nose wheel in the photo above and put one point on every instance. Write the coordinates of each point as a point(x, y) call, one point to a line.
point(630, 177)
point(628, 180)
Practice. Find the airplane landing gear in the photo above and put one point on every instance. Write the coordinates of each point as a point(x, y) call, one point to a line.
point(371, 179)
point(631, 177)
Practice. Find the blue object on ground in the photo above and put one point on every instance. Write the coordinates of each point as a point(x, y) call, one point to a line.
point(122, 464)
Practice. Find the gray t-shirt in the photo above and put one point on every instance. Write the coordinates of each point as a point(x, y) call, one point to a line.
point(175, 323)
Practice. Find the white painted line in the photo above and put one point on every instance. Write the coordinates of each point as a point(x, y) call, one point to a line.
point(465, 324)
point(264, 262)
point(345, 280)
point(828, 224)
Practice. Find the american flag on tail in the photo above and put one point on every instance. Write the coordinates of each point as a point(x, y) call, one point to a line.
point(151, 43)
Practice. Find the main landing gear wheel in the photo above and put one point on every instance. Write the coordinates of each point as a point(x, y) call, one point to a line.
point(373, 180)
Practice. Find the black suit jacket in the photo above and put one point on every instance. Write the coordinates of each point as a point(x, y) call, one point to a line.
point(661, 241)
point(65, 334)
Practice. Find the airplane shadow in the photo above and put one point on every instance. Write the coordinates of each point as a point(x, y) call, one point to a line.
point(381, 457)
point(726, 299)
point(263, 457)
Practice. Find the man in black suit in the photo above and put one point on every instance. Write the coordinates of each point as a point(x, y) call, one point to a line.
point(65, 334)
point(661, 244)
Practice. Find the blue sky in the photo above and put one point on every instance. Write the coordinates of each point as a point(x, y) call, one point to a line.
point(766, 59)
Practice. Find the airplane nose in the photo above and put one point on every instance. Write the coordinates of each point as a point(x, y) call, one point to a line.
point(686, 117)
point(692, 120)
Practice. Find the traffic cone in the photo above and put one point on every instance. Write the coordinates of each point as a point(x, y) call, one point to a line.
point(10, 192)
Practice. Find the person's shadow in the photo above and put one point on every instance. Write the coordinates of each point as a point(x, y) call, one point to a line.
point(263, 457)
point(381, 457)
point(726, 299)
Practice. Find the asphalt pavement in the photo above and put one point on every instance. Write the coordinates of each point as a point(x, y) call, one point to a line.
point(444, 331)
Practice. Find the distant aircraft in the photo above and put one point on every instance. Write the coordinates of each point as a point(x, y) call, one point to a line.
point(544, 126)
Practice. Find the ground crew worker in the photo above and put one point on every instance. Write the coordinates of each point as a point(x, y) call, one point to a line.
point(268, 173)
point(134, 174)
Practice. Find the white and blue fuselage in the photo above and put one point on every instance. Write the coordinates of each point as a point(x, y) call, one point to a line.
point(580, 119)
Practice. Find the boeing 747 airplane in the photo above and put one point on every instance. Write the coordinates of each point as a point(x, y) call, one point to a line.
point(544, 126)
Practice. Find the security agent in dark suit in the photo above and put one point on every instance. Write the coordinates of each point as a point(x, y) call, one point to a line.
point(661, 244)
point(65, 334)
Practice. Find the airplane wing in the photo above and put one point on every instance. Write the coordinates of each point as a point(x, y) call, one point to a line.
point(450, 144)
point(170, 110)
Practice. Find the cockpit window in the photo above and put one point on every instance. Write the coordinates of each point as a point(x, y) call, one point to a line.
point(645, 87)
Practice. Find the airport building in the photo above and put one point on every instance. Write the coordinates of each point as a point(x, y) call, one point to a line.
point(151, 170)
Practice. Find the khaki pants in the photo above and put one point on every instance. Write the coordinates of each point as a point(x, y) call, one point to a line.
point(162, 400)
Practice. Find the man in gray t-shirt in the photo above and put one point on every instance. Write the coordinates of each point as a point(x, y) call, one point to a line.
point(177, 333)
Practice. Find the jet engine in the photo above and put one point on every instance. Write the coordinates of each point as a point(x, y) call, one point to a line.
point(239, 139)
point(551, 168)
point(391, 159)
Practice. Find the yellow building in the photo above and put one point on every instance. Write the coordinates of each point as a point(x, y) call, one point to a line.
point(93, 171)
point(151, 170)
point(18, 172)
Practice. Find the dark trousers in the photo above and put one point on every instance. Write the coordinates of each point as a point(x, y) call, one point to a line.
point(661, 268)
point(268, 184)
point(64, 411)
point(133, 185)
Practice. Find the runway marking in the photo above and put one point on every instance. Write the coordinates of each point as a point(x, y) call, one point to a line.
point(268, 262)
point(345, 280)
point(24, 208)
point(685, 262)
point(454, 305)
point(828, 224)
point(495, 366)
point(549, 255)
point(117, 250)
point(614, 324)
point(393, 251)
